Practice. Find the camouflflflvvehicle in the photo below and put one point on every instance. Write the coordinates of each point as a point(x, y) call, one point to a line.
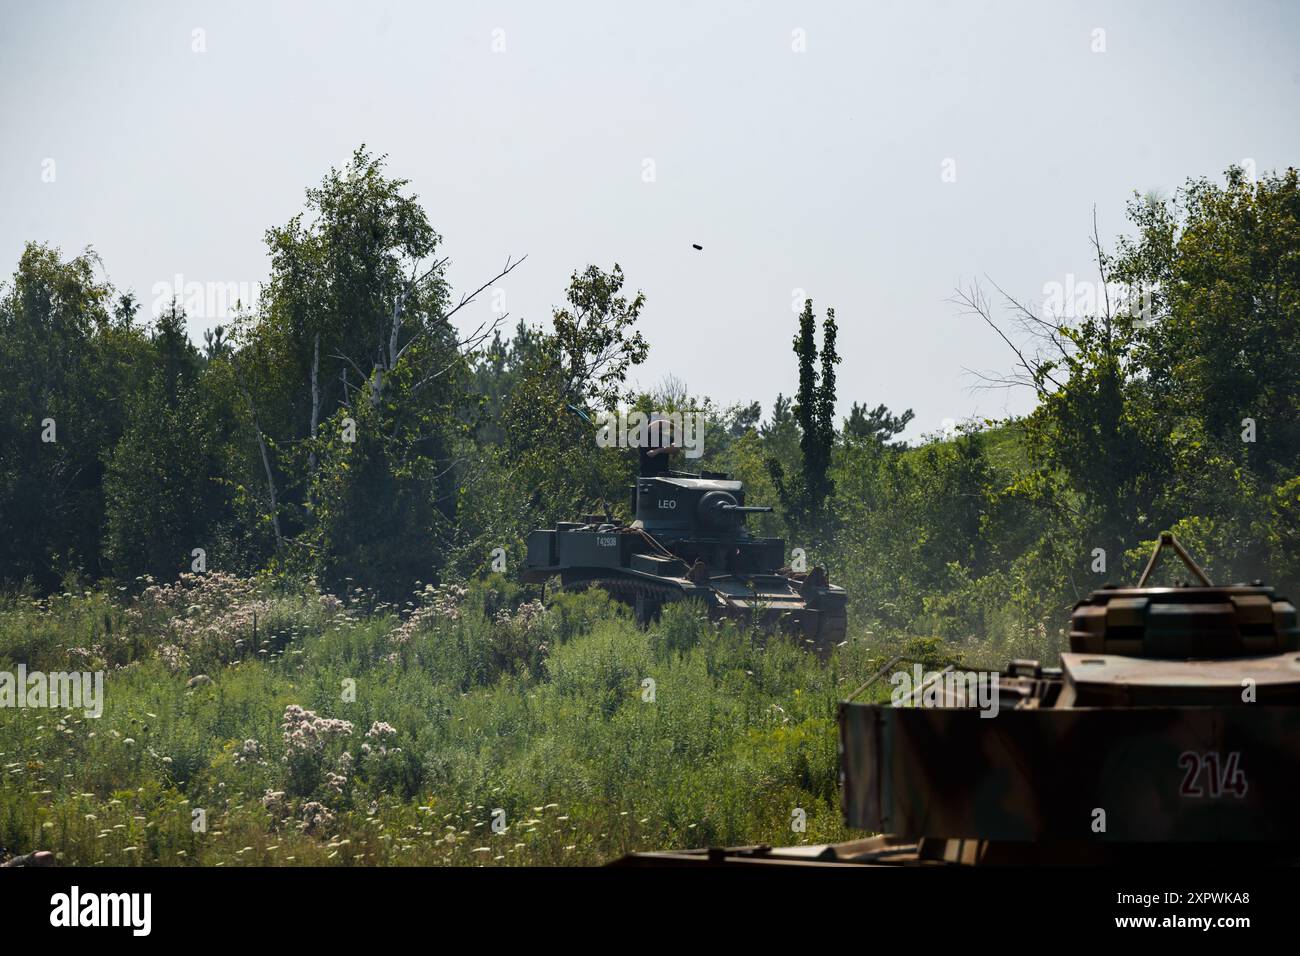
point(1170, 731)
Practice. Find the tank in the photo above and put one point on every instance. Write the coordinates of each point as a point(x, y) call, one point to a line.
point(1170, 731)
point(689, 541)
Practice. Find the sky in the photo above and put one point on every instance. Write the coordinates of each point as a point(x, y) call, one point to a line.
point(872, 157)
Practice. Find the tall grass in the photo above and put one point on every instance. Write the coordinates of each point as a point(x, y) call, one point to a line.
point(248, 725)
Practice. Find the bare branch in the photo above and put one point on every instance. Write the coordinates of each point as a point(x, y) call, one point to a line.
point(396, 324)
point(1034, 323)
point(477, 340)
point(343, 358)
point(994, 382)
point(315, 399)
point(974, 302)
point(1101, 270)
point(465, 300)
point(266, 459)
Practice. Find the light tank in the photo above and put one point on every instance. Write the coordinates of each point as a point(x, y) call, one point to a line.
point(689, 541)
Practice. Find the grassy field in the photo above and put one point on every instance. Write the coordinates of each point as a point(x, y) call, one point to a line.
point(248, 725)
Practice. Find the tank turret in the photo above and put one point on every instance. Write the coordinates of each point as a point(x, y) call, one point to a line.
point(1172, 725)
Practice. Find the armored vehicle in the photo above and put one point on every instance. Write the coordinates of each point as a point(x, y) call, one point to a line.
point(689, 542)
point(1170, 731)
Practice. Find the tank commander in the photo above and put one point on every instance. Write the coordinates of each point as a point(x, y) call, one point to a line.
point(699, 572)
point(657, 445)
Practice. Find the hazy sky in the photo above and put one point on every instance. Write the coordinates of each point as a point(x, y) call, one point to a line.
point(528, 128)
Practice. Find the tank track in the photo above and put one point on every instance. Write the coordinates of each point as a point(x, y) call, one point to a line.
point(647, 598)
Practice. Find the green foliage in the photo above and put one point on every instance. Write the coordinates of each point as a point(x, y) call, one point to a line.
point(545, 467)
point(804, 495)
point(376, 526)
point(874, 425)
point(66, 365)
point(164, 488)
point(594, 343)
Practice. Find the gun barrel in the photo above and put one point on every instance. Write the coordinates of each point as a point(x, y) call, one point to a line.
point(746, 509)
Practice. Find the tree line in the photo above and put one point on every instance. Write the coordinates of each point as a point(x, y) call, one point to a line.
point(343, 429)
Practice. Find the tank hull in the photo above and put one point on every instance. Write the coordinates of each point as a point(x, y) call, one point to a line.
point(628, 565)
